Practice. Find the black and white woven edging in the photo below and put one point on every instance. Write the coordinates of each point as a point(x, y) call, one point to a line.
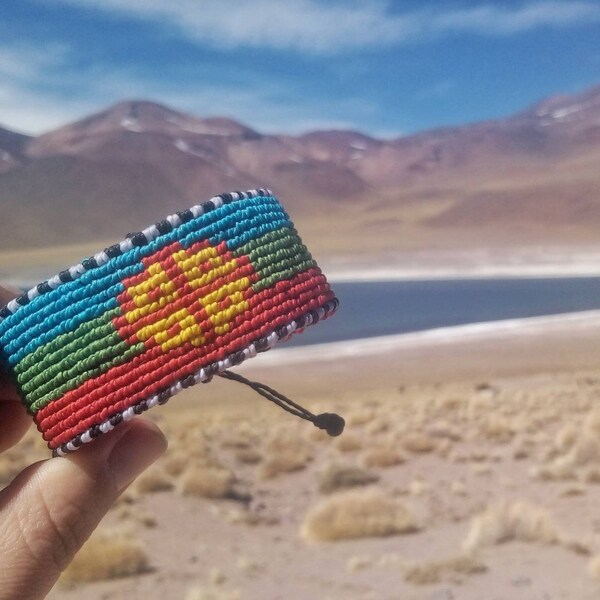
point(204, 375)
point(132, 240)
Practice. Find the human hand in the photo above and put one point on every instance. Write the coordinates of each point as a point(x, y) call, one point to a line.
point(52, 506)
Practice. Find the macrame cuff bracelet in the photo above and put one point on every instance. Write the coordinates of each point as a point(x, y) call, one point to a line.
point(164, 309)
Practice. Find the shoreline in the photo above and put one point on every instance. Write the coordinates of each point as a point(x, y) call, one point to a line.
point(476, 263)
point(381, 345)
point(372, 275)
point(532, 271)
point(512, 348)
point(26, 268)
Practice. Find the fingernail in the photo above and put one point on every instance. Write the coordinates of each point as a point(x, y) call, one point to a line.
point(141, 445)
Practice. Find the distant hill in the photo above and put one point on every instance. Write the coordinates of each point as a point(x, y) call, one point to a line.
point(531, 178)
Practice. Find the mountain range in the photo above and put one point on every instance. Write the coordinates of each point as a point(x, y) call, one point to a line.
point(531, 178)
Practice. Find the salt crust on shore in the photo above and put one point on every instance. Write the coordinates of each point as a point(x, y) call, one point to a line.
point(507, 328)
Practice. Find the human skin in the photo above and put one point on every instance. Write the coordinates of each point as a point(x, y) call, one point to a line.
point(50, 509)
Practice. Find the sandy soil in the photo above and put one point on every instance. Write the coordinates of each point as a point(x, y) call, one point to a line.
point(504, 418)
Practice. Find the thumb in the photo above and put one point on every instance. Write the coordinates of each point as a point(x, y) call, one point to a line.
point(52, 507)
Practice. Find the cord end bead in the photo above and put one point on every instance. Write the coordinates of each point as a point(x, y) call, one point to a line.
point(332, 423)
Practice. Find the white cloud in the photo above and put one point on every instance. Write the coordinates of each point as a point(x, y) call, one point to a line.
point(501, 20)
point(41, 87)
point(29, 112)
point(305, 25)
point(317, 27)
point(26, 62)
point(269, 108)
point(24, 69)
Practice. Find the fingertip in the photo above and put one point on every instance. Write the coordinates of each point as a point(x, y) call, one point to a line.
point(124, 452)
point(142, 445)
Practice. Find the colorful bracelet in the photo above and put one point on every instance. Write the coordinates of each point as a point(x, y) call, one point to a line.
point(164, 309)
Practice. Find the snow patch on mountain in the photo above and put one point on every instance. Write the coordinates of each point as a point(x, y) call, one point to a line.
point(131, 124)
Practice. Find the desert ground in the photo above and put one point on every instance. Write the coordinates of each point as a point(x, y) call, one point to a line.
point(469, 469)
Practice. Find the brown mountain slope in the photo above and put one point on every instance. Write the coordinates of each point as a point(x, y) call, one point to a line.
point(530, 178)
point(12, 146)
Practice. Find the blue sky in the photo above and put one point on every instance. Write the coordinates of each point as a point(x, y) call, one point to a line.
point(384, 67)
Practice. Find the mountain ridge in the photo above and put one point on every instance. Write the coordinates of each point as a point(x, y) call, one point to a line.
point(137, 160)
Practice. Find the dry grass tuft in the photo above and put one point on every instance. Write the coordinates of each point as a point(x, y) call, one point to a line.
point(285, 452)
point(358, 563)
point(287, 439)
point(479, 469)
point(417, 442)
point(577, 546)
point(592, 475)
point(358, 514)
point(521, 451)
point(452, 569)
point(348, 442)
point(248, 456)
point(594, 567)
point(498, 429)
point(335, 477)
point(152, 480)
point(147, 520)
point(107, 555)
point(511, 521)
point(573, 490)
point(445, 430)
point(592, 423)
point(383, 455)
point(175, 463)
point(238, 438)
point(566, 437)
point(360, 416)
point(313, 434)
point(576, 451)
point(286, 462)
point(377, 426)
point(586, 450)
point(206, 482)
point(245, 516)
point(250, 566)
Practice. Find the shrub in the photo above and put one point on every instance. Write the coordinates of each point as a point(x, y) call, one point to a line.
point(594, 567)
point(153, 480)
point(515, 521)
point(248, 456)
point(107, 555)
point(566, 437)
point(348, 442)
point(383, 455)
point(206, 482)
point(418, 442)
point(433, 572)
point(358, 514)
point(285, 452)
point(285, 462)
point(335, 477)
point(497, 428)
point(360, 416)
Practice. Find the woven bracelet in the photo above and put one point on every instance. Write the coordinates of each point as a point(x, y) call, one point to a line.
point(166, 308)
